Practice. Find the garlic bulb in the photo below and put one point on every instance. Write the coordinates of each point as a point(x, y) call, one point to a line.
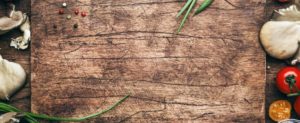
point(12, 77)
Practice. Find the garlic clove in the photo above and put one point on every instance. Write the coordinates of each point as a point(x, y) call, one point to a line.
point(12, 78)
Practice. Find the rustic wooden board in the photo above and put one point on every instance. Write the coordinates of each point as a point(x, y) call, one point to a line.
point(214, 71)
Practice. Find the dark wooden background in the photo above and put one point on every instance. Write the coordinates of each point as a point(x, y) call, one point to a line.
point(130, 46)
point(22, 99)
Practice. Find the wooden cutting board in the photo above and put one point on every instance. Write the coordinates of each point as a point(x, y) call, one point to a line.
point(213, 71)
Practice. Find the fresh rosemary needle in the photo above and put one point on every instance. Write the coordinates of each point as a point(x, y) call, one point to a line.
point(32, 117)
point(189, 5)
point(203, 6)
point(186, 15)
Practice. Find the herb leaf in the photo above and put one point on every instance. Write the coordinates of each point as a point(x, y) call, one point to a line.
point(31, 117)
point(184, 8)
point(186, 15)
point(203, 6)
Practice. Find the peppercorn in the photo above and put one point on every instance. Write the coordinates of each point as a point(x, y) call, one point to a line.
point(76, 12)
point(83, 14)
point(75, 26)
point(61, 11)
point(69, 17)
point(54, 26)
point(64, 5)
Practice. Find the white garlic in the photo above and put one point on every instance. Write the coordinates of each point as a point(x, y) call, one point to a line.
point(12, 78)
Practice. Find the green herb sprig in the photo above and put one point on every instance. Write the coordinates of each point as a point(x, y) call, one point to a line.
point(189, 5)
point(32, 117)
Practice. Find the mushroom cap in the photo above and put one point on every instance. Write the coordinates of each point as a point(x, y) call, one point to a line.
point(12, 77)
point(9, 23)
point(6, 118)
point(280, 38)
point(288, 14)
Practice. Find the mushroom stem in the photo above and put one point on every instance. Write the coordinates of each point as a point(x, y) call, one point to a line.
point(16, 19)
point(296, 58)
point(25, 28)
point(22, 42)
point(13, 8)
point(297, 3)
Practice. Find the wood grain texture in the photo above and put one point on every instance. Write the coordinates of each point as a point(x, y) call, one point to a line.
point(22, 98)
point(214, 71)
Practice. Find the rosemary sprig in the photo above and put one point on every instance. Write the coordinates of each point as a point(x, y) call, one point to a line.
point(32, 117)
point(189, 5)
point(203, 6)
point(184, 7)
point(186, 15)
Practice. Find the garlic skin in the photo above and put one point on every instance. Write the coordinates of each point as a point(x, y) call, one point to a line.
point(12, 78)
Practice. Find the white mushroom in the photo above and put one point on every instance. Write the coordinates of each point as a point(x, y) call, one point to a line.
point(288, 14)
point(12, 78)
point(9, 117)
point(22, 42)
point(14, 20)
point(280, 37)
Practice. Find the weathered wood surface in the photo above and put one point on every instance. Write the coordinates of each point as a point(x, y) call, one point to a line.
point(22, 98)
point(214, 71)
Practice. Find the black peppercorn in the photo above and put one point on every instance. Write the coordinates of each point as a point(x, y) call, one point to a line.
point(75, 26)
point(54, 26)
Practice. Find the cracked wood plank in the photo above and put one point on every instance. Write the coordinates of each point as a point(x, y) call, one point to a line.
point(213, 71)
